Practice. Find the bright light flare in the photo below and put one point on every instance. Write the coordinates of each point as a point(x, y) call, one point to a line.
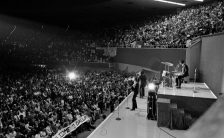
point(72, 76)
point(151, 86)
point(171, 2)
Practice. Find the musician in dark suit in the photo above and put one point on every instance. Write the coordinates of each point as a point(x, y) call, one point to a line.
point(184, 73)
point(142, 83)
point(135, 88)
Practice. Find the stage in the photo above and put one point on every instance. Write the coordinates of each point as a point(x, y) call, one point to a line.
point(193, 98)
point(133, 124)
point(201, 91)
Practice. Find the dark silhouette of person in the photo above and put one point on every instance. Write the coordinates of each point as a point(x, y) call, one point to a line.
point(135, 88)
point(142, 83)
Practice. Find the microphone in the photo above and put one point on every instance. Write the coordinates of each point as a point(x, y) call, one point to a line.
point(195, 73)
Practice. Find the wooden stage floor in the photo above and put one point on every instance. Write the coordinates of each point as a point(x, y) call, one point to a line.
point(195, 101)
point(201, 91)
point(133, 124)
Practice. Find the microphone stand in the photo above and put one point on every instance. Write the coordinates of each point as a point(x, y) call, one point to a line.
point(127, 101)
point(118, 115)
point(195, 74)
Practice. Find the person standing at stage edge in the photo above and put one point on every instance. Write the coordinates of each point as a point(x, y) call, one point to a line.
point(142, 83)
point(135, 88)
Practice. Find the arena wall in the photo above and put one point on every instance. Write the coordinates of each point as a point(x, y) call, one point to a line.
point(212, 62)
point(193, 54)
point(134, 68)
point(207, 56)
point(149, 58)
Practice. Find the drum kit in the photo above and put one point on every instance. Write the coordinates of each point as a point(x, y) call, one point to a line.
point(169, 76)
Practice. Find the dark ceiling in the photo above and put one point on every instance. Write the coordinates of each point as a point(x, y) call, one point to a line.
point(86, 12)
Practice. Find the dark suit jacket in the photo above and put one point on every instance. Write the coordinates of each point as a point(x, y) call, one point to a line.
point(135, 89)
point(143, 79)
point(185, 70)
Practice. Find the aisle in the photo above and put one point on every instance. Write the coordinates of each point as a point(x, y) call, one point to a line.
point(133, 124)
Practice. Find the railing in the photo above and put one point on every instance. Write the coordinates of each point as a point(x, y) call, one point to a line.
point(157, 46)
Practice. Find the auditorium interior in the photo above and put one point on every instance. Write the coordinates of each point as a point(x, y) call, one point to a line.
point(112, 69)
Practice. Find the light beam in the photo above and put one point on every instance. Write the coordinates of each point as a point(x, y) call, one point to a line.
point(171, 2)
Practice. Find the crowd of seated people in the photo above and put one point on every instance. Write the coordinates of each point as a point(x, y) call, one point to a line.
point(53, 52)
point(37, 104)
point(170, 31)
point(173, 31)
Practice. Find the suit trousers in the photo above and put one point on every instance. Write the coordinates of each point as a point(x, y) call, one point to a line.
point(134, 103)
point(179, 80)
point(142, 91)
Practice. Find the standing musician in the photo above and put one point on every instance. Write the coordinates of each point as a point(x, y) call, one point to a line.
point(182, 74)
point(142, 84)
point(135, 88)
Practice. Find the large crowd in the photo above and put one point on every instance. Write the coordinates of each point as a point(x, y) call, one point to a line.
point(174, 30)
point(38, 104)
point(51, 54)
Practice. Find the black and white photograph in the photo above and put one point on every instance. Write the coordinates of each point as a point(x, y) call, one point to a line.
point(112, 69)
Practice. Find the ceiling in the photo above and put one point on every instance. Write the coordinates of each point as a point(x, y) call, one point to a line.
point(87, 12)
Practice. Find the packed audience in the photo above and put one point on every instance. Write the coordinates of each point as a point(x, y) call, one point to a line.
point(173, 31)
point(37, 104)
point(51, 54)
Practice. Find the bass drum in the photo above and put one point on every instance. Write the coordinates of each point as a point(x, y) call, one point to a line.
point(165, 73)
point(168, 82)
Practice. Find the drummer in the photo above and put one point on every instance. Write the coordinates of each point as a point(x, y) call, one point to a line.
point(183, 73)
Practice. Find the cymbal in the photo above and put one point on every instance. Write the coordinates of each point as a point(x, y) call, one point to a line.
point(167, 63)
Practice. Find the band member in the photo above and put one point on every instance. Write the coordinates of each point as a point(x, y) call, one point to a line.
point(184, 73)
point(135, 88)
point(142, 83)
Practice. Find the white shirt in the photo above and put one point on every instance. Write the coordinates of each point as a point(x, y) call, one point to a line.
point(188, 43)
point(23, 113)
point(49, 131)
point(37, 136)
point(11, 135)
point(78, 116)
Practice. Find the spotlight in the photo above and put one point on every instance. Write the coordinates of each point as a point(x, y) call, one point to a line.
point(72, 76)
point(151, 87)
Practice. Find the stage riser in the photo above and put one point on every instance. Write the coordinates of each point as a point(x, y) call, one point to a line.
point(195, 106)
point(163, 112)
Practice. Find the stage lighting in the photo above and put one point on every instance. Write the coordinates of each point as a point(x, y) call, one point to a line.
point(72, 76)
point(171, 2)
point(151, 87)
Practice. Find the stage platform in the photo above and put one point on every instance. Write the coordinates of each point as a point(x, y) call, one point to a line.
point(201, 91)
point(193, 98)
point(133, 124)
